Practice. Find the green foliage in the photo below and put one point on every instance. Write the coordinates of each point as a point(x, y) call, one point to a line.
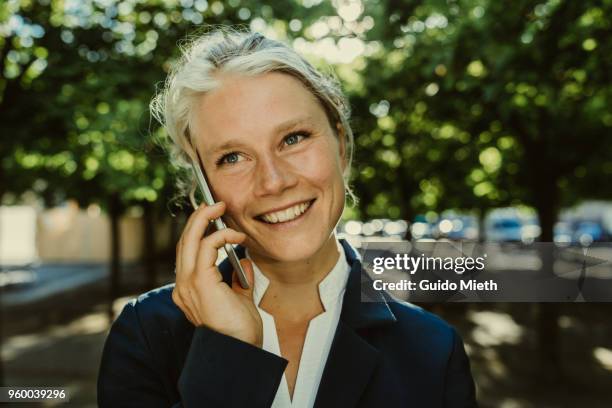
point(456, 104)
point(491, 104)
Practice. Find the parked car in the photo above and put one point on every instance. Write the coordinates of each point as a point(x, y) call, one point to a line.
point(505, 230)
point(587, 232)
point(458, 227)
point(421, 230)
point(563, 234)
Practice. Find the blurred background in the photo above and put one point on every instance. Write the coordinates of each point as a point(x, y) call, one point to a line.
point(474, 120)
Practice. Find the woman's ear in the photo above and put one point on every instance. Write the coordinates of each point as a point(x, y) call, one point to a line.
point(341, 144)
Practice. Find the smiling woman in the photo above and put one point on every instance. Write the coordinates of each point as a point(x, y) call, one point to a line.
point(271, 133)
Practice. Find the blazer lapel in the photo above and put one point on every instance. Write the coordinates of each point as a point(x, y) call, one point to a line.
point(352, 360)
point(349, 367)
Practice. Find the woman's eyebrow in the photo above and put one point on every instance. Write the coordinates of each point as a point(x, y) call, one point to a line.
point(291, 123)
point(282, 127)
point(227, 145)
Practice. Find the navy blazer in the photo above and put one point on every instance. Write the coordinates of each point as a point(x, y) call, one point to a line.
point(384, 354)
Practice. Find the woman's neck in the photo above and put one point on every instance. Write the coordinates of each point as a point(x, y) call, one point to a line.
point(293, 290)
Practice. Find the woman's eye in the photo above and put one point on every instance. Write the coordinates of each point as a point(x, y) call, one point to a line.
point(229, 158)
point(295, 138)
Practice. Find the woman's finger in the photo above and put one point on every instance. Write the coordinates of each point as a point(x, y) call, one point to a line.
point(182, 294)
point(201, 217)
point(192, 236)
point(247, 267)
point(193, 215)
point(209, 250)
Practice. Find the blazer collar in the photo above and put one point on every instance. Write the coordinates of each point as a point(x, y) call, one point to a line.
point(362, 307)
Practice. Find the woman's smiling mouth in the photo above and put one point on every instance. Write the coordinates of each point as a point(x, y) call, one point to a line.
point(285, 215)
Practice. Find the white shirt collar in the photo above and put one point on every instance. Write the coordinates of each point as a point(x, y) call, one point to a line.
point(330, 288)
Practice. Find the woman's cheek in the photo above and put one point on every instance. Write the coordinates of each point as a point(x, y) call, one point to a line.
point(234, 205)
point(232, 190)
point(318, 164)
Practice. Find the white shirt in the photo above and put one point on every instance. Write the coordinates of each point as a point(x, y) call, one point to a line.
point(319, 335)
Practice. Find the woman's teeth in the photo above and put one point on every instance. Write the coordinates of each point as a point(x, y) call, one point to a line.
point(285, 215)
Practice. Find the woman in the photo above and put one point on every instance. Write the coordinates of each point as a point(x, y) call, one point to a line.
point(272, 135)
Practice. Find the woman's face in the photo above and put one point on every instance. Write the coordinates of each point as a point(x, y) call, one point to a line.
point(270, 153)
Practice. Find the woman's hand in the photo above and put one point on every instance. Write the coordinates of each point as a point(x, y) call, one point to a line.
point(200, 291)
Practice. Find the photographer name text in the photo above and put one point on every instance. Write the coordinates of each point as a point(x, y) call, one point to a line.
point(438, 285)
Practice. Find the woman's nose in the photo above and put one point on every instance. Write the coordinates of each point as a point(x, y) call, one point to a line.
point(274, 176)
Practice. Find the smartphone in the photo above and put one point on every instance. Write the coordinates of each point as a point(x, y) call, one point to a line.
point(229, 249)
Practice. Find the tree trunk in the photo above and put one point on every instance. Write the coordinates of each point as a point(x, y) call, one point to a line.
point(1, 290)
point(1, 334)
point(548, 313)
point(149, 252)
point(115, 210)
point(482, 230)
point(406, 211)
point(1, 314)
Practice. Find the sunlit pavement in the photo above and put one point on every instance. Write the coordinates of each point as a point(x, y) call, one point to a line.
point(54, 323)
point(26, 285)
point(63, 355)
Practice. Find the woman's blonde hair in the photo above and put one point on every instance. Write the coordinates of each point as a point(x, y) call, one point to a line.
point(234, 51)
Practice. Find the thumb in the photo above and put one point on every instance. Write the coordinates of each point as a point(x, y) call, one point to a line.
point(247, 267)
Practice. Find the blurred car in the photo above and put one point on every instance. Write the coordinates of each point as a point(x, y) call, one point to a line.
point(373, 227)
point(562, 233)
point(530, 231)
point(378, 228)
point(421, 230)
point(351, 227)
point(395, 229)
point(587, 232)
point(460, 227)
point(505, 230)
